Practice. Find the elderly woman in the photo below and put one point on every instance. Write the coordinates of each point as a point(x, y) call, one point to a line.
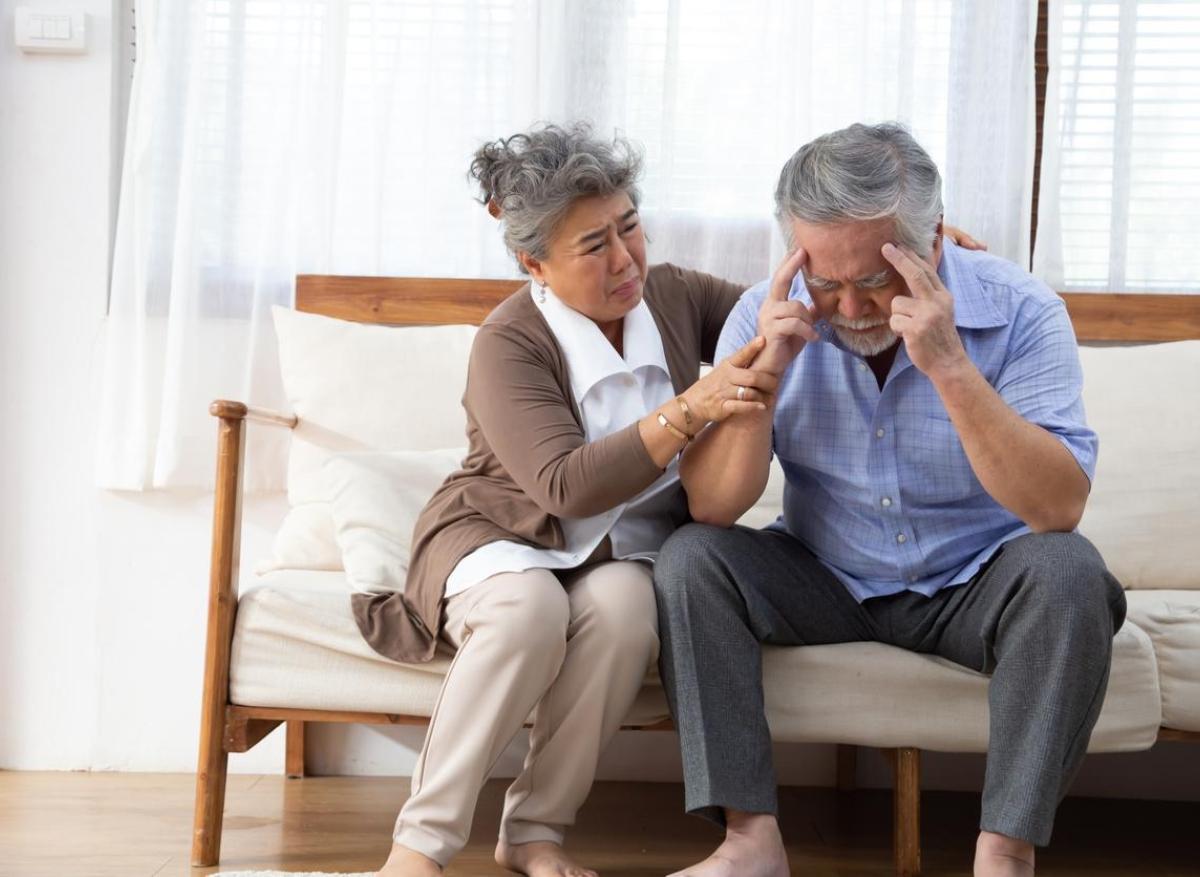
point(533, 560)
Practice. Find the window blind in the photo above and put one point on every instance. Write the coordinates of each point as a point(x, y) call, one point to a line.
point(1128, 145)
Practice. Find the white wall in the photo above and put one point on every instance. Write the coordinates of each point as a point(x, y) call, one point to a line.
point(102, 595)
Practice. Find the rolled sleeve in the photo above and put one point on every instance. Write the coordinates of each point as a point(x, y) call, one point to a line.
point(742, 323)
point(1042, 381)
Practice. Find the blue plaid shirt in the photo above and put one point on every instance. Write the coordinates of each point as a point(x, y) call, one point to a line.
point(878, 485)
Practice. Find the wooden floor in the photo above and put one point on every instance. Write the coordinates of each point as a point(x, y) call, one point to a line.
point(139, 825)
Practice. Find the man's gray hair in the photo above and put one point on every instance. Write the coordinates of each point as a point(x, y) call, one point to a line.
point(529, 181)
point(863, 172)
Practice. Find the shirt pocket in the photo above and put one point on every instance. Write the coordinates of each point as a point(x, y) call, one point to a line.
point(934, 468)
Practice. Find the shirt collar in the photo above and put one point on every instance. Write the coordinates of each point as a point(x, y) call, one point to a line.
point(973, 307)
point(590, 357)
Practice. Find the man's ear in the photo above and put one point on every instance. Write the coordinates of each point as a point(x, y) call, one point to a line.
point(935, 255)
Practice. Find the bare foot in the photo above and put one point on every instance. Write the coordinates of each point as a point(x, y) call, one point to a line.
point(539, 859)
point(404, 862)
point(997, 855)
point(753, 847)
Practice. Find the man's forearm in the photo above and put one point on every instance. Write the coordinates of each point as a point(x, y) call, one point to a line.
point(725, 471)
point(1019, 464)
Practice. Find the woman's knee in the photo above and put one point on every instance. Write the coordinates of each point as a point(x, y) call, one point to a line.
point(615, 603)
point(527, 611)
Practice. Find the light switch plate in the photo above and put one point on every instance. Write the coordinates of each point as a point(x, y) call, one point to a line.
point(49, 30)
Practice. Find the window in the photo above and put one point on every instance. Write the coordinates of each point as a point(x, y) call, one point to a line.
point(1127, 144)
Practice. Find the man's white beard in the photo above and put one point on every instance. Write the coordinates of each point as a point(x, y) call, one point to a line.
point(864, 343)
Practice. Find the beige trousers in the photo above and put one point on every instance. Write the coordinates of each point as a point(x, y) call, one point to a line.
point(576, 648)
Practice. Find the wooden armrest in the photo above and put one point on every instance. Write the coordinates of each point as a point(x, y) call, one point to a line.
point(228, 410)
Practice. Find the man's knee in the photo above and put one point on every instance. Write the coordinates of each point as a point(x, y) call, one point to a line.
point(1065, 574)
point(686, 556)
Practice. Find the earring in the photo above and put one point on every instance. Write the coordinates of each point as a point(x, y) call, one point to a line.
point(541, 293)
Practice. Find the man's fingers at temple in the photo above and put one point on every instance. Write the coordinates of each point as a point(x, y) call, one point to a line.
point(781, 283)
point(911, 269)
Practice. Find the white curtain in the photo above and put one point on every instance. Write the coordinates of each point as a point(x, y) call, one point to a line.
point(268, 138)
point(1119, 202)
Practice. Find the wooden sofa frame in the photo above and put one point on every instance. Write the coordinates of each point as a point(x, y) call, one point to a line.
point(227, 727)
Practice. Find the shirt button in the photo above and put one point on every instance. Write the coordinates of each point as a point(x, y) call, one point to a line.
point(862, 366)
point(886, 502)
point(879, 433)
point(901, 538)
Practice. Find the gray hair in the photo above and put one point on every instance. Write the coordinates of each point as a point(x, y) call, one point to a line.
point(530, 180)
point(863, 172)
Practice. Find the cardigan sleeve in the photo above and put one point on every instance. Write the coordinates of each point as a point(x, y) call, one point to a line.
point(524, 417)
point(712, 299)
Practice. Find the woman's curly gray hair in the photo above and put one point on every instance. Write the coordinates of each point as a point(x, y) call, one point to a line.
point(530, 180)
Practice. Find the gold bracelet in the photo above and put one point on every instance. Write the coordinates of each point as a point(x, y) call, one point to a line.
point(687, 412)
point(673, 429)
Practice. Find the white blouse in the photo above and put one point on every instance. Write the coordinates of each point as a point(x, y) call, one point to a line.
point(611, 392)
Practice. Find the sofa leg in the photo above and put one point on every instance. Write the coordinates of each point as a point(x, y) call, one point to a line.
point(906, 767)
point(295, 750)
point(847, 767)
point(210, 797)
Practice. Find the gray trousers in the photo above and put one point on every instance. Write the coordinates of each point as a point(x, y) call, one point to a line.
point(1039, 617)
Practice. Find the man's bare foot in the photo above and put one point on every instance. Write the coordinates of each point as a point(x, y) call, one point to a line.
point(539, 859)
point(404, 862)
point(997, 855)
point(753, 847)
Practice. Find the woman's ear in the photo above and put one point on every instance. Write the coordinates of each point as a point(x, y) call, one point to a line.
point(532, 266)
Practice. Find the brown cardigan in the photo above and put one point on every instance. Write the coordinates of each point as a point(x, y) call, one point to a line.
point(528, 463)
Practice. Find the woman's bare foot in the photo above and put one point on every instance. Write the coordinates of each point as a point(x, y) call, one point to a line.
point(539, 859)
point(404, 862)
point(753, 847)
point(997, 855)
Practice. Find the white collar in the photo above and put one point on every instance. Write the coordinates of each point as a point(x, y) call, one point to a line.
point(590, 357)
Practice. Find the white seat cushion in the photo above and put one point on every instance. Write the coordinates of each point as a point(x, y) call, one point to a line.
point(1172, 621)
point(296, 645)
point(879, 695)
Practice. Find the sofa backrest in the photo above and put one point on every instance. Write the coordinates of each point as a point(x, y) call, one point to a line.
point(1142, 398)
point(433, 301)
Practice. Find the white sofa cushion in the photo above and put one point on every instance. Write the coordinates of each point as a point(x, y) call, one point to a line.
point(357, 387)
point(376, 498)
point(296, 645)
point(304, 540)
point(1144, 403)
point(1172, 621)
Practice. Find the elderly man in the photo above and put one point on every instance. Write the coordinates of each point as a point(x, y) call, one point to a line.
point(929, 423)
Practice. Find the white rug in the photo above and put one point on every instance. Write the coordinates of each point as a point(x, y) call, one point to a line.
point(292, 874)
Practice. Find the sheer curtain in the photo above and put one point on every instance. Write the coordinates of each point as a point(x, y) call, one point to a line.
point(1120, 190)
point(268, 138)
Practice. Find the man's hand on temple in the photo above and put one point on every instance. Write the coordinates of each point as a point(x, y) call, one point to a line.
point(787, 325)
point(925, 320)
